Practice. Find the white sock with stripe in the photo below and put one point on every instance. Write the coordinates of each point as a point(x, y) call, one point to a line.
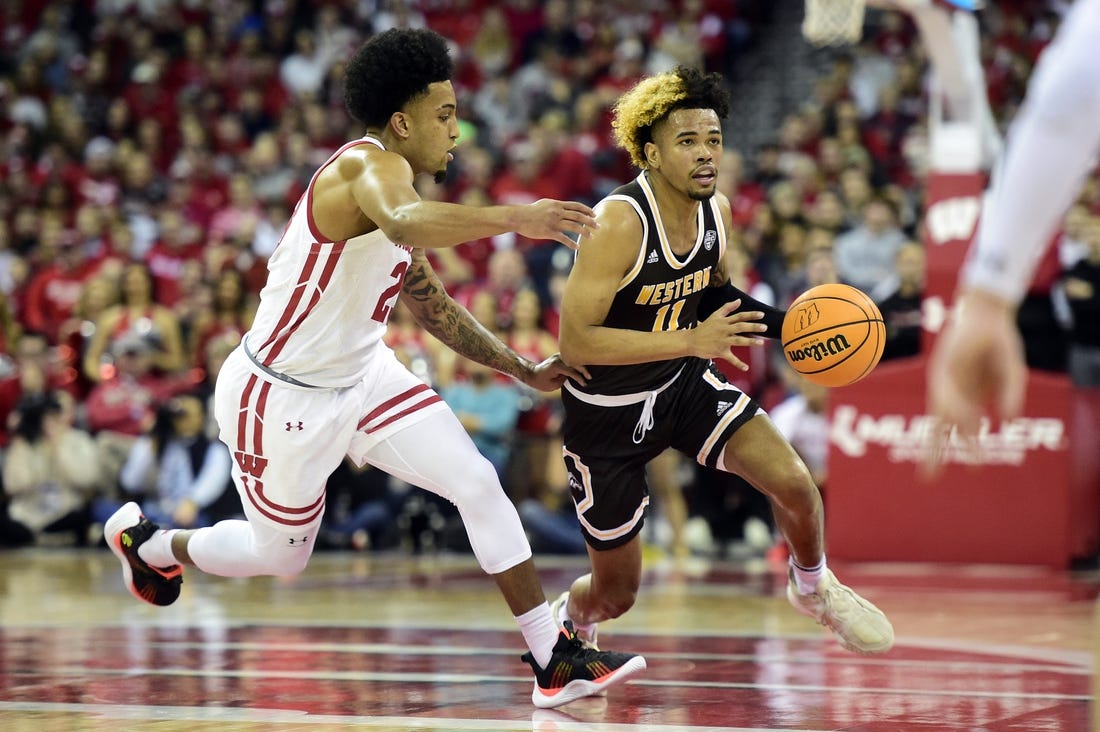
point(806, 578)
point(157, 550)
point(540, 631)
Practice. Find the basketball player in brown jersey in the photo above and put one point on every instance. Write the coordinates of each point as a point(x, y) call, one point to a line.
point(646, 307)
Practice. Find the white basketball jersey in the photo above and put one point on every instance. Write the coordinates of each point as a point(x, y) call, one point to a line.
point(325, 306)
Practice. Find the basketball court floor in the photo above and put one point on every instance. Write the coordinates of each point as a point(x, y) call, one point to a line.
point(389, 642)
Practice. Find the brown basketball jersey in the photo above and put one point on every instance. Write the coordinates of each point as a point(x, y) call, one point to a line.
point(661, 291)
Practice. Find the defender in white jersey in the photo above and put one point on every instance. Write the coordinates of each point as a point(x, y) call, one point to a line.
point(978, 362)
point(977, 365)
point(312, 382)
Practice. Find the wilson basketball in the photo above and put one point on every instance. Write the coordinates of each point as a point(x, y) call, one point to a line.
point(833, 335)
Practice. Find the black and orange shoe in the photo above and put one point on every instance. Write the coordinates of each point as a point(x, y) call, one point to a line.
point(577, 671)
point(125, 531)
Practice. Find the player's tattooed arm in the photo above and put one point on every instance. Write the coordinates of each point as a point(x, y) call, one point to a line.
point(438, 313)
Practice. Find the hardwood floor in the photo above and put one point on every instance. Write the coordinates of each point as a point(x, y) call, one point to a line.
point(383, 641)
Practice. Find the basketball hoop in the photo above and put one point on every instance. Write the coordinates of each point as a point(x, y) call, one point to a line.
point(833, 22)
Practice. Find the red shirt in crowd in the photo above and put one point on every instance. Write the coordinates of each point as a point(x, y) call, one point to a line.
point(125, 404)
point(50, 298)
point(166, 264)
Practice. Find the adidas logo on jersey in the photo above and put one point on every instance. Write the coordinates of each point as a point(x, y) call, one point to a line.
point(723, 407)
point(652, 258)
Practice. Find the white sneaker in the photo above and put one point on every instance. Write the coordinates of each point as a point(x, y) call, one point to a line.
point(858, 625)
point(558, 611)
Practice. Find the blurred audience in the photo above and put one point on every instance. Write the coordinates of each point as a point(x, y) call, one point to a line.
point(177, 473)
point(151, 153)
point(138, 314)
point(487, 408)
point(360, 509)
point(122, 407)
point(536, 461)
point(1081, 285)
point(865, 256)
point(802, 418)
point(901, 305)
point(51, 469)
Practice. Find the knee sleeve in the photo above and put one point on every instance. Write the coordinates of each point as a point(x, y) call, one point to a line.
point(491, 520)
point(455, 470)
point(238, 549)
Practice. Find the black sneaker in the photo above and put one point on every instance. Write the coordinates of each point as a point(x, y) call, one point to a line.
point(576, 671)
point(125, 531)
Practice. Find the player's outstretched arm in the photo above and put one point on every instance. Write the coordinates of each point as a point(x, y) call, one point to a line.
point(438, 313)
point(715, 296)
point(1051, 147)
point(977, 366)
point(382, 185)
point(722, 291)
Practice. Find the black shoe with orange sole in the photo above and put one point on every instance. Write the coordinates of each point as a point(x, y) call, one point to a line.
point(125, 531)
point(577, 671)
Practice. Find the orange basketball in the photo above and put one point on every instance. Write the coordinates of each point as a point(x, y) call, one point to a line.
point(833, 335)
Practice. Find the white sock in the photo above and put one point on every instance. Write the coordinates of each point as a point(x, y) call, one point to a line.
point(540, 631)
point(806, 579)
point(157, 550)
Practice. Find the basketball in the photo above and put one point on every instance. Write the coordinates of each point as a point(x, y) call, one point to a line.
point(833, 335)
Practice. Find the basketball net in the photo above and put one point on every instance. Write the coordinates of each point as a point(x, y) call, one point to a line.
point(833, 22)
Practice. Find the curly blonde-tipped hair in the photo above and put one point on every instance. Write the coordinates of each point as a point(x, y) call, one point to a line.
point(654, 98)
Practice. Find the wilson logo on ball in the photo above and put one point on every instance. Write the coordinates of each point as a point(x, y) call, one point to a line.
point(818, 351)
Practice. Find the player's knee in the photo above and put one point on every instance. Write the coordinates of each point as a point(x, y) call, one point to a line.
point(617, 596)
point(294, 563)
point(289, 557)
point(792, 486)
point(618, 600)
point(480, 483)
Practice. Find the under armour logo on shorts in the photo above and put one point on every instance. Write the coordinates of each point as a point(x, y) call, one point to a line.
point(299, 542)
point(294, 426)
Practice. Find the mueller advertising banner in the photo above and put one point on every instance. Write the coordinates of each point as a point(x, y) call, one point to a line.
point(1005, 498)
point(1023, 493)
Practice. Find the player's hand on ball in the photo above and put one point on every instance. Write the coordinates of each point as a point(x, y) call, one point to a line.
point(553, 372)
point(724, 329)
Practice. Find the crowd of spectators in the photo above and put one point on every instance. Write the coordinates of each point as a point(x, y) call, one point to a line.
point(151, 152)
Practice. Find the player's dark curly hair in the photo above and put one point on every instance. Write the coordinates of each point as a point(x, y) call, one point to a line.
point(653, 99)
point(390, 69)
